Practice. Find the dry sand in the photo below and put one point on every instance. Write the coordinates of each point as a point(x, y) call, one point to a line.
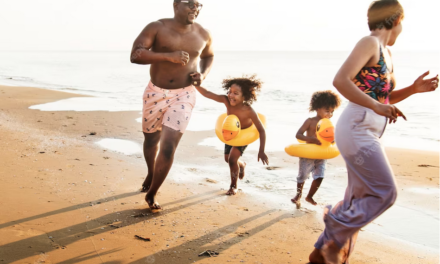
point(66, 200)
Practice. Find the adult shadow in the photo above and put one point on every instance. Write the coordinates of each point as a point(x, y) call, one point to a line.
point(68, 209)
point(184, 256)
point(92, 255)
point(59, 239)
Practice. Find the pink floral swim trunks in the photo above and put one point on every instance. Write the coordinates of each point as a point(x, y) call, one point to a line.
point(171, 108)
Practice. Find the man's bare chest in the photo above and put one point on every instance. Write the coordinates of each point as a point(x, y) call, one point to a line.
point(169, 41)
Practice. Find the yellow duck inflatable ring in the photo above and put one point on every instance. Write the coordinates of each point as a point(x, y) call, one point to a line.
point(325, 131)
point(228, 130)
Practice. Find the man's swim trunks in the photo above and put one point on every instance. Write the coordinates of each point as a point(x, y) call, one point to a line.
point(171, 108)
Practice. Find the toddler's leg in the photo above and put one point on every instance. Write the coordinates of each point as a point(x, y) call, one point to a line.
point(318, 176)
point(315, 186)
point(299, 189)
point(234, 168)
point(305, 166)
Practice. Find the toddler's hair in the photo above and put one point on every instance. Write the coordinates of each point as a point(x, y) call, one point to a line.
point(249, 85)
point(327, 99)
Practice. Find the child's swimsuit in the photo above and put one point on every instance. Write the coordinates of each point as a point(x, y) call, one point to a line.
point(229, 148)
point(315, 166)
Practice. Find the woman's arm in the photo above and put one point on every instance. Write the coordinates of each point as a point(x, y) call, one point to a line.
point(216, 97)
point(257, 122)
point(419, 86)
point(360, 56)
point(302, 130)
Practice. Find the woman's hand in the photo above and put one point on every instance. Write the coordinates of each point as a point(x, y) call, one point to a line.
point(263, 157)
point(423, 86)
point(389, 111)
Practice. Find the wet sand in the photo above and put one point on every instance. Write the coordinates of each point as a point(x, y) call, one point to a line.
point(67, 200)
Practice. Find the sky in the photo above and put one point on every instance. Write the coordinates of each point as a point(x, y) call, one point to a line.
point(276, 25)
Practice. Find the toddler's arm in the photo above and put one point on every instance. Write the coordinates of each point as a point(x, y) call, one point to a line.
point(257, 122)
point(216, 97)
point(304, 128)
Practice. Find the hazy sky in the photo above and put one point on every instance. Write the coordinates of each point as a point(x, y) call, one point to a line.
point(234, 24)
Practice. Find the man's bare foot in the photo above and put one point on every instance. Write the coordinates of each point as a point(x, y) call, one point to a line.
point(331, 253)
point(152, 203)
point(232, 191)
point(145, 189)
point(241, 174)
point(310, 200)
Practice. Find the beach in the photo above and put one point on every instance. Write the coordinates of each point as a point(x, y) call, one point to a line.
point(69, 196)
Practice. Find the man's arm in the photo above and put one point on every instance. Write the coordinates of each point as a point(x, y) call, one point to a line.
point(206, 60)
point(207, 57)
point(141, 52)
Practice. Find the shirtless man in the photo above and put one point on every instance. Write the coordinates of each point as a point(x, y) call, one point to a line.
point(173, 47)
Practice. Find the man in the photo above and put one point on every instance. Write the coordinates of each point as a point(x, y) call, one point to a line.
point(172, 47)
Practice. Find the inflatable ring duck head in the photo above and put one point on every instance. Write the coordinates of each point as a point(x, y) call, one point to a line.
point(231, 127)
point(325, 131)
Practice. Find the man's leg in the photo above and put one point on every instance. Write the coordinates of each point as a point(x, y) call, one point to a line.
point(169, 140)
point(151, 141)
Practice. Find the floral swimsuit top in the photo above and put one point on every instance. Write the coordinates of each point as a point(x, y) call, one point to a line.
point(377, 81)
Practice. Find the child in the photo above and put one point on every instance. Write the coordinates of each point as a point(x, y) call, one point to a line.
point(241, 93)
point(324, 103)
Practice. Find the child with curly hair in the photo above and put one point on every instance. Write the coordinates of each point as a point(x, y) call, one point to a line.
point(241, 93)
point(324, 103)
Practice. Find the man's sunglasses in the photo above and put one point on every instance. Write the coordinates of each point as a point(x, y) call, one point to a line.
point(193, 5)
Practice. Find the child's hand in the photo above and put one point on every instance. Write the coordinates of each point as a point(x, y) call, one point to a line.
point(263, 157)
point(314, 141)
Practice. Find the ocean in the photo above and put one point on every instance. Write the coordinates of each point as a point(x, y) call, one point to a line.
point(289, 78)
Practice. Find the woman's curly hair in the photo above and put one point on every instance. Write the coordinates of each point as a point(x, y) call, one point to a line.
point(249, 85)
point(326, 99)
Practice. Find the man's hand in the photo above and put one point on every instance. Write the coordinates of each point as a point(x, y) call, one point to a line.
point(196, 78)
point(179, 57)
point(263, 157)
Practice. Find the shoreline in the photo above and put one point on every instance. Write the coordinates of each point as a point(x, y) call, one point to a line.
point(73, 178)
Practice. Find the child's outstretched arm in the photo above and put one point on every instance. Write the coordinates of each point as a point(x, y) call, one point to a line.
point(257, 122)
point(216, 97)
point(304, 128)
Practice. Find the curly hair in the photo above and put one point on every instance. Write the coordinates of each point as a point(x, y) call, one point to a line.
point(249, 85)
point(383, 14)
point(327, 99)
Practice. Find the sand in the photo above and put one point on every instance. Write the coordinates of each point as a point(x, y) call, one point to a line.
point(64, 199)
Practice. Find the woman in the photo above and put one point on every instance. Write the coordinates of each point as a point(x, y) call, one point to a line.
point(366, 79)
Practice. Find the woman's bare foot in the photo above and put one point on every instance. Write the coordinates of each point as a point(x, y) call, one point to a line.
point(232, 191)
point(331, 253)
point(151, 201)
point(242, 167)
point(310, 200)
point(316, 257)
